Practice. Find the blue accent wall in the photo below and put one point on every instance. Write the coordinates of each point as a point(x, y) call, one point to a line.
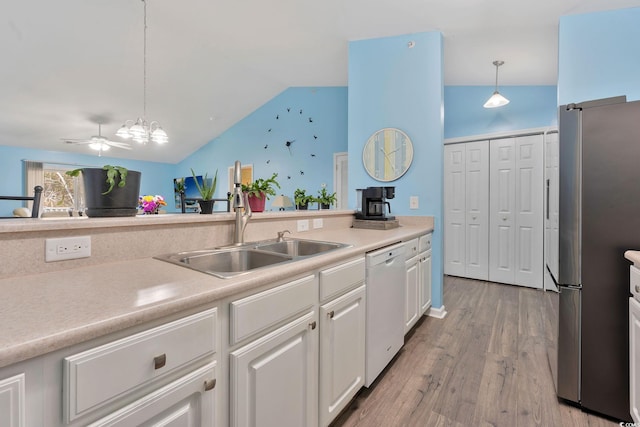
point(392, 85)
point(312, 120)
point(529, 107)
point(599, 56)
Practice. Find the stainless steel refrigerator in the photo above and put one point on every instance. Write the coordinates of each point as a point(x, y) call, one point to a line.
point(599, 218)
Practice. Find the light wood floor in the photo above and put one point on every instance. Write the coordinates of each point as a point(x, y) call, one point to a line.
point(484, 364)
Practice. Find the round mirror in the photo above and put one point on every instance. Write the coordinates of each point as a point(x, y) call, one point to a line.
point(387, 154)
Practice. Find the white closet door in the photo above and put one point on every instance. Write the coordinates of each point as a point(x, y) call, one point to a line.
point(454, 206)
point(477, 210)
point(502, 154)
point(529, 219)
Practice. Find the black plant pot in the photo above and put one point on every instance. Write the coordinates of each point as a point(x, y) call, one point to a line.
point(121, 201)
point(303, 207)
point(206, 206)
point(324, 205)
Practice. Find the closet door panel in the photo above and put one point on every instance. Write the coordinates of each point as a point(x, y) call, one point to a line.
point(477, 210)
point(502, 205)
point(454, 205)
point(529, 256)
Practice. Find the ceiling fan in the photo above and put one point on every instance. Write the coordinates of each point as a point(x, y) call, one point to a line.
point(99, 142)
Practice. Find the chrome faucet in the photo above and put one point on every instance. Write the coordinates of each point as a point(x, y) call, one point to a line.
point(281, 235)
point(240, 202)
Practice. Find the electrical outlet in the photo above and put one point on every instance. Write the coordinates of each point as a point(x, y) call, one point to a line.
point(303, 225)
point(413, 202)
point(67, 248)
point(317, 223)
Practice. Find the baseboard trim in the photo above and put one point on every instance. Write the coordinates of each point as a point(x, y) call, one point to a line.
point(438, 313)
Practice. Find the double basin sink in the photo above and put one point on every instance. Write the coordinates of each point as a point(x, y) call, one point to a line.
point(232, 261)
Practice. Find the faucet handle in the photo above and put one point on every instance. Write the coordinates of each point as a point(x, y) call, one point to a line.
point(281, 235)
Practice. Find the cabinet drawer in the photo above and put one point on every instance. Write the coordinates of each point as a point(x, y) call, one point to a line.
point(425, 242)
point(411, 248)
point(96, 376)
point(336, 280)
point(258, 312)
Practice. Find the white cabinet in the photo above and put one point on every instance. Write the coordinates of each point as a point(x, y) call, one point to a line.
point(424, 273)
point(342, 348)
point(412, 302)
point(634, 358)
point(466, 205)
point(187, 402)
point(12, 401)
point(516, 211)
point(274, 378)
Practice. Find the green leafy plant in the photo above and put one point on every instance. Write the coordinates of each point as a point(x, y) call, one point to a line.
point(301, 197)
point(206, 190)
point(113, 172)
point(324, 198)
point(259, 186)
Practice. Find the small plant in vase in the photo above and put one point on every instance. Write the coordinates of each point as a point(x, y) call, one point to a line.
point(302, 199)
point(324, 199)
point(151, 204)
point(259, 191)
point(206, 190)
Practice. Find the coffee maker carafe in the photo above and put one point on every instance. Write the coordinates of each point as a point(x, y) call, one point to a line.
point(372, 203)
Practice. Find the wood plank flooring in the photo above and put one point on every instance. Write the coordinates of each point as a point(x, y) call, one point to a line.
point(484, 364)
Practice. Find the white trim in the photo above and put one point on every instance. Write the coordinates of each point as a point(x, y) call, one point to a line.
point(438, 313)
point(498, 135)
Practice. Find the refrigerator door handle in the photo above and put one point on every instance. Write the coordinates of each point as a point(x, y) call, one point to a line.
point(548, 184)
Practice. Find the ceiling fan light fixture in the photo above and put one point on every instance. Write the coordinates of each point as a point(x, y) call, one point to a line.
point(99, 146)
point(496, 99)
point(140, 131)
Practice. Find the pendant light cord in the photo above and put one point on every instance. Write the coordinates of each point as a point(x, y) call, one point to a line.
point(144, 65)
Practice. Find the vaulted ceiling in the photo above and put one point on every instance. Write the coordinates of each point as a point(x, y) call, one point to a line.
point(68, 65)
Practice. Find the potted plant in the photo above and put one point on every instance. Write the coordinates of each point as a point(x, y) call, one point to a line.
point(259, 191)
point(324, 199)
point(110, 191)
point(302, 199)
point(206, 190)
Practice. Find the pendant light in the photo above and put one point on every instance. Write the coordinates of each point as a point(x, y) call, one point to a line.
point(141, 131)
point(496, 99)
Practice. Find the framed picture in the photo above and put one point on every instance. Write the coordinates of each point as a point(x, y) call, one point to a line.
point(190, 191)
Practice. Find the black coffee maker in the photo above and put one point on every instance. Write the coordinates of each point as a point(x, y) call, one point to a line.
point(372, 203)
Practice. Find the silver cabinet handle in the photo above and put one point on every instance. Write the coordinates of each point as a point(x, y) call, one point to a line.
point(331, 314)
point(637, 288)
point(504, 218)
point(312, 325)
point(160, 361)
point(209, 384)
point(474, 218)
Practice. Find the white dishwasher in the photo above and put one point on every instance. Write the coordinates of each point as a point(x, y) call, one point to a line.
point(385, 280)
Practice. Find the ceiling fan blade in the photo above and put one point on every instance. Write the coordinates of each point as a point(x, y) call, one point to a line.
point(77, 141)
point(118, 144)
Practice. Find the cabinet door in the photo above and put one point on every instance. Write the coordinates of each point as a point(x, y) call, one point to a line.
point(634, 358)
point(12, 401)
point(273, 380)
point(342, 346)
point(412, 302)
point(424, 281)
point(477, 210)
point(454, 209)
point(186, 402)
point(502, 201)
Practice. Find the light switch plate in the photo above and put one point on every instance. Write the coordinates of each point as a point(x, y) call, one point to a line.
point(413, 202)
point(317, 223)
point(303, 225)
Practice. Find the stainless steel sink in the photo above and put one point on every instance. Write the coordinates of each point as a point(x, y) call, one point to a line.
point(226, 263)
point(299, 247)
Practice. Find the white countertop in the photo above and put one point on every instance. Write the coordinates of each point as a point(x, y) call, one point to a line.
point(45, 312)
point(633, 256)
